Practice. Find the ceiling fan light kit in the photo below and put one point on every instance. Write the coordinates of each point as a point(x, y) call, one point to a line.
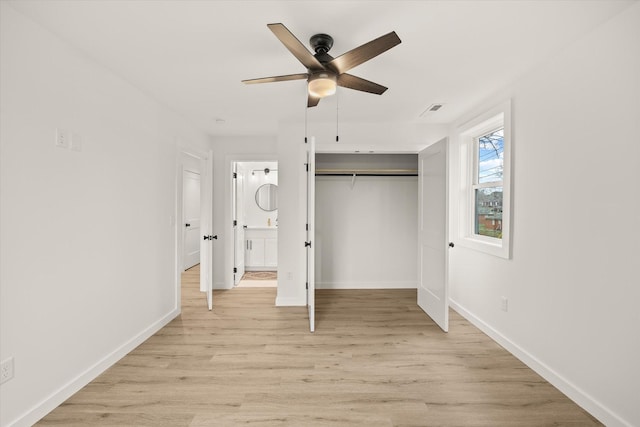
point(322, 84)
point(325, 73)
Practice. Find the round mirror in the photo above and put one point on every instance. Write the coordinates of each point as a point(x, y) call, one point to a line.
point(267, 197)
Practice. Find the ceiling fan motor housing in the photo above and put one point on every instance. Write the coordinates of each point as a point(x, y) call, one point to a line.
point(321, 43)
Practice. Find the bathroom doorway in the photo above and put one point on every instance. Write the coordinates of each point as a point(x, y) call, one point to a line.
point(255, 223)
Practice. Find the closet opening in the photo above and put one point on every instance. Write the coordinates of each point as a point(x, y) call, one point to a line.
point(366, 214)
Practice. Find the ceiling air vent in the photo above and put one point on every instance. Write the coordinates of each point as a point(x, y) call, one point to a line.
point(432, 108)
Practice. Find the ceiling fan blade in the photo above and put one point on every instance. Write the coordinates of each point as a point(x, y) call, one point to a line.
point(312, 101)
point(358, 83)
point(357, 56)
point(295, 47)
point(301, 76)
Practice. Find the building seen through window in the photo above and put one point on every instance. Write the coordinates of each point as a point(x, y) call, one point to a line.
point(488, 184)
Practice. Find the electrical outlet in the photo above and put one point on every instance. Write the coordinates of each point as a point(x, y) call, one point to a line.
point(62, 138)
point(504, 304)
point(6, 370)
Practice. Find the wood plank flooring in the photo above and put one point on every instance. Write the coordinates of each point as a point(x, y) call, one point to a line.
point(375, 360)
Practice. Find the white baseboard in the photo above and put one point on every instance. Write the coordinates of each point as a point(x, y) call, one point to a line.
point(579, 396)
point(66, 391)
point(366, 285)
point(291, 302)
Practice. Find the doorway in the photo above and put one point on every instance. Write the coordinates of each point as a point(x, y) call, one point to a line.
point(194, 222)
point(254, 210)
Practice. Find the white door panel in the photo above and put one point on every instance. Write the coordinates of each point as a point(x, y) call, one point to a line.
point(239, 254)
point(206, 223)
point(433, 292)
point(237, 207)
point(191, 223)
point(310, 243)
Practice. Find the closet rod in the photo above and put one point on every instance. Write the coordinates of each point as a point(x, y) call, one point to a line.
point(367, 172)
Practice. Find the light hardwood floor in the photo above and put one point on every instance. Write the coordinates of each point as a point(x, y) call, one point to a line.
point(375, 360)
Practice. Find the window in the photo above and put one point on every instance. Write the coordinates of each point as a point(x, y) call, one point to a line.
point(484, 204)
point(487, 183)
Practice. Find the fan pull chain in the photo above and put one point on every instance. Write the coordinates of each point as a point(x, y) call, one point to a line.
point(337, 99)
point(306, 110)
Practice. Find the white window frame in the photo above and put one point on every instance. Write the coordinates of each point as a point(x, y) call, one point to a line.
point(467, 135)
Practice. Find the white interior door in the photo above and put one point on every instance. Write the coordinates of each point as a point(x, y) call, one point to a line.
point(433, 289)
point(191, 217)
point(207, 238)
point(309, 244)
point(237, 207)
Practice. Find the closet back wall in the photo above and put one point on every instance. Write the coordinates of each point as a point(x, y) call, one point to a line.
point(366, 233)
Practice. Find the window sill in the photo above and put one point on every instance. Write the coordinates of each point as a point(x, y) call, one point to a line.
point(487, 246)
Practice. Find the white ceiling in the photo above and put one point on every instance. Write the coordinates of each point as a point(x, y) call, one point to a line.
point(191, 55)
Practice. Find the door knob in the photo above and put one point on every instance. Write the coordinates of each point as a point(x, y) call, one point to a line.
point(210, 237)
point(187, 225)
point(451, 244)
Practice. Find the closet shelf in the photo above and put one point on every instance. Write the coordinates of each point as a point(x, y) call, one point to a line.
point(366, 172)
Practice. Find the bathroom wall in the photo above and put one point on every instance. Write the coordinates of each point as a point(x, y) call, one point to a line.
point(253, 177)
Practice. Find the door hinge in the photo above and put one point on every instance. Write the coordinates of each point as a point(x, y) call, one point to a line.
point(306, 227)
point(235, 222)
point(307, 244)
point(306, 285)
point(306, 167)
point(305, 139)
point(235, 175)
point(235, 269)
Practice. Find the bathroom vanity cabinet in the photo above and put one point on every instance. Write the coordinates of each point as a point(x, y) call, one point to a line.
point(261, 249)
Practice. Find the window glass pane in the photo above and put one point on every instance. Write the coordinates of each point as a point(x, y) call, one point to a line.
point(490, 156)
point(488, 212)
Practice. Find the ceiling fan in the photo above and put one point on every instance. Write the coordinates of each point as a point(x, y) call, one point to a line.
point(324, 72)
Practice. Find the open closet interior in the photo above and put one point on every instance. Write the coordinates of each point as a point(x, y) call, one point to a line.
point(366, 219)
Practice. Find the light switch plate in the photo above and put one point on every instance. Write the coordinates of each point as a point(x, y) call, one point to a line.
point(6, 370)
point(62, 138)
point(504, 304)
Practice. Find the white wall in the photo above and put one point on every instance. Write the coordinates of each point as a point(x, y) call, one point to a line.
point(378, 137)
point(291, 216)
point(88, 242)
point(572, 282)
point(227, 149)
point(366, 234)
